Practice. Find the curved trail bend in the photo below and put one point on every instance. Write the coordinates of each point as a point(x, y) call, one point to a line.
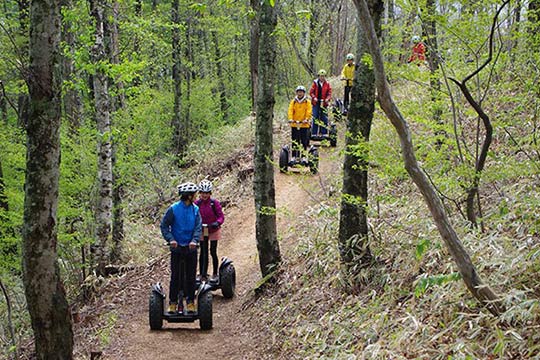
point(132, 338)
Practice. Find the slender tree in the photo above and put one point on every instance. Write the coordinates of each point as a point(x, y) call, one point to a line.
point(44, 291)
point(179, 127)
point(3, 198)
point(102, 104)
point(353, 225)
point(254, 52)
point(463, 261)
point(263, 182)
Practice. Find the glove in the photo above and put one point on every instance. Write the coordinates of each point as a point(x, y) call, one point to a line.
point(214, 225)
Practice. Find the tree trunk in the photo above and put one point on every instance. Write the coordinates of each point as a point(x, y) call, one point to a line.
point(254, 53)
point(112, 32)
point(353, 225)
point(463, 261)
point(179, 131)
point(430, 28)
point(72, 99)
point(45, 295)
point(102, 103)
point(3, 198)
point(472, 191)
point(263, 182)
point(224, 106)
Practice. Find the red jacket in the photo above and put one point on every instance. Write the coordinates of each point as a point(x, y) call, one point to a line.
point(326, 94)
point(418, 53)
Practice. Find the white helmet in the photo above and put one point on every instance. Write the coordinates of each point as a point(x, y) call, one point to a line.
point(350, 57)
point(187, 188)
point(205, 186)
point(415, 39)
point(300, 88)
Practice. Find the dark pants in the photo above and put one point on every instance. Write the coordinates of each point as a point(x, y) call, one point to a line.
point(320, 120)
point(203, 258)
point(300, 137)
point(183, 269)
point(347, 96)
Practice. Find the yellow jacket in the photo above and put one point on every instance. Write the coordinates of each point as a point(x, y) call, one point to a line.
point(300, 110)
point(347, 74)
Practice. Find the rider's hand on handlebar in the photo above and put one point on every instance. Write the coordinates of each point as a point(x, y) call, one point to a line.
point(173, 244)
point(192, 245)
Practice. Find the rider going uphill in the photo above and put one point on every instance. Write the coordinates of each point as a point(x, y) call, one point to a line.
point(299, 118)
point(321, 95)
point(347, 75)
point(212, 216)
point(181, 228)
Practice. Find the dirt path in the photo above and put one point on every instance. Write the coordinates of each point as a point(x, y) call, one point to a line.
point(132, 338)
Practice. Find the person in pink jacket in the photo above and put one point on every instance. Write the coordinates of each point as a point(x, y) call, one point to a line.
point(212, 216)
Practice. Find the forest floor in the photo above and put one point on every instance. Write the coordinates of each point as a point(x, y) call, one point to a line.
point(125, 332)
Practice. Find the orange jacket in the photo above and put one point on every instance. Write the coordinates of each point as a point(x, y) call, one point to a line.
point(300, 110)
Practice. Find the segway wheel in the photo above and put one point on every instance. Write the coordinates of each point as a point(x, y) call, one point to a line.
point(205, 311)
point(228, 281)
point(156, 311)
point(333, 136)
point(283, 160)
point(314, 161)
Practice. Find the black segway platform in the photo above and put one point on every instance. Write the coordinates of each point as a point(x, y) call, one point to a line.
point(158, 313)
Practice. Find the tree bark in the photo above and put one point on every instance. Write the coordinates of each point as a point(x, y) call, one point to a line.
point(472, 191)
point(3, 198)
point(102, 103)
point(463, 261)
point(224, 106)
point(119, 103)
point(45, 295)
point(72, 99)
point(179, 130)
point(254, 53)
point(263, 182)
point(353, 225)
point(430, 28)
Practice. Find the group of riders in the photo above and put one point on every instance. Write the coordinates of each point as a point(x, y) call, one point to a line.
point(182, 228)
point(311, 117)
point(183, 222)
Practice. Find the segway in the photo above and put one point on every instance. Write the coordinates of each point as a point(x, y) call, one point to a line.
point(286, 160)
point(158, 313)
point(226, 280)
point(331, 135)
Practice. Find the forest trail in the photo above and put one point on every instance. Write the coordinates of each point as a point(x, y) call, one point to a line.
point(229, 338)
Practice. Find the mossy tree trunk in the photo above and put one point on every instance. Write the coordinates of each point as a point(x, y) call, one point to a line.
point(45, 294)
point(263, 182)
point(254, 53)
point(353, 225)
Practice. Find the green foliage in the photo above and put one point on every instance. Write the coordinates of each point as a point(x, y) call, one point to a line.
point(426, 282)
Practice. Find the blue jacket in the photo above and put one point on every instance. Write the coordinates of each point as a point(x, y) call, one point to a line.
point(182, 223)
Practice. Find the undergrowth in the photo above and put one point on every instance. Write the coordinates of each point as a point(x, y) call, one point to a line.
point(412, 303)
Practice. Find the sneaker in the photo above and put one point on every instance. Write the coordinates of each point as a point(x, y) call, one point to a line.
point(214, 279)
point(191, 308)
point(304, 161)
point(172, 308)
point(180, 308)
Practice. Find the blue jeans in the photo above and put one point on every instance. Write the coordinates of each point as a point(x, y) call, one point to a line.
point(320, 116)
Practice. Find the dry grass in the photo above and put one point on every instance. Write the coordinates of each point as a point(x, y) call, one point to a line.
point(410, 307)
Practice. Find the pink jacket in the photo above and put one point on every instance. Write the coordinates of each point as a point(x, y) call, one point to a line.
point(209, 213)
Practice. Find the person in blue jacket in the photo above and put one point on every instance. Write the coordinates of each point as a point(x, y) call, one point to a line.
point(181, 227)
